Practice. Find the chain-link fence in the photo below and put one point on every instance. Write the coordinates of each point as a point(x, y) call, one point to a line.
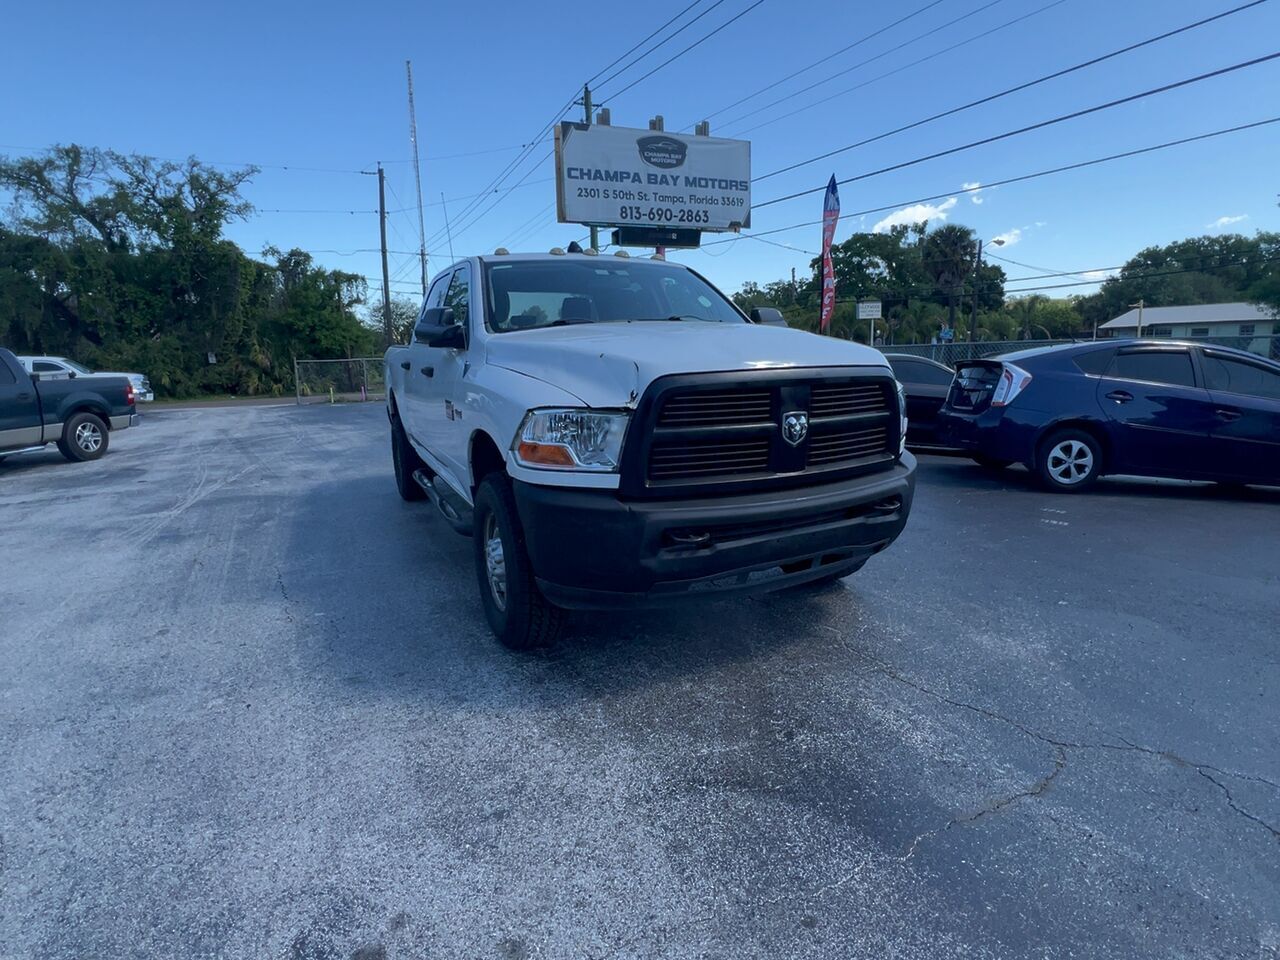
point(331, 381)
point(958, 352)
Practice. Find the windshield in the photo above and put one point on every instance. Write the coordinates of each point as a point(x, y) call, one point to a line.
point(75, 366)
point(544, 293)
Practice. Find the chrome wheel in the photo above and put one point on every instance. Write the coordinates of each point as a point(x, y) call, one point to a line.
point(1070, 462)
point(495, 562)
point(88, 437)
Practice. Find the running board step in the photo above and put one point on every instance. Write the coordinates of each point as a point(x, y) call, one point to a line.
point(455, 511)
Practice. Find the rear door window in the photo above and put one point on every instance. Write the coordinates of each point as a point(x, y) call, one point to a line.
point(914, 371)
point(6, 375)
point(1238, 376)
point(1172, 367)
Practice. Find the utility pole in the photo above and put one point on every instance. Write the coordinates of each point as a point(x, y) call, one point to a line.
point(386, 277)
point(1140, 304)
point(586, 110)
point(417, 178)
point(977, 267)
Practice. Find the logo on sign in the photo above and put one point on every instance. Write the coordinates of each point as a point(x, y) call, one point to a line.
point(795, 426)
point(662, 152)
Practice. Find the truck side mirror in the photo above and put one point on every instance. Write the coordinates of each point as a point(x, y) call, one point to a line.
point(769, 316)
point(437, 328)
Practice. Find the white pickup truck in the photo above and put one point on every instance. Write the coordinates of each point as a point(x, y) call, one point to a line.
point(614, 431)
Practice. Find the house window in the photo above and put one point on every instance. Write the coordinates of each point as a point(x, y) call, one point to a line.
point(1199, 331)
point(1162, 331)
point(1246, 329)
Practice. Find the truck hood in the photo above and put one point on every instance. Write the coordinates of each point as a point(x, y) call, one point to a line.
point(611, 364)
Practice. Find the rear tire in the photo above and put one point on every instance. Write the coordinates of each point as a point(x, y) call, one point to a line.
point(519, 615)
point(84, 437)
point(990, 463)
point(1069, 461)
point(405, 460)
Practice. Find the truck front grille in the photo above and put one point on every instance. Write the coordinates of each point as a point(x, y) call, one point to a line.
point(726, 429)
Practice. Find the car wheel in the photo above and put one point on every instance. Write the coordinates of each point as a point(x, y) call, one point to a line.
point(405, 460)
point(1069, 461)
point(84, 437)
point(990, 463)
point(519, 615)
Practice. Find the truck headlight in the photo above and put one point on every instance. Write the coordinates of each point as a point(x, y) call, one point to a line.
point(902, 418)
point(572, 439)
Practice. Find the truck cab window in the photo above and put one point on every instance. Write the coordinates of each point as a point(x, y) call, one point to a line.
point(459, 296)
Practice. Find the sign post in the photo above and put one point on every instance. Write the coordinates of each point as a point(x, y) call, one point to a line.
point(869, 310)
point(609, 176)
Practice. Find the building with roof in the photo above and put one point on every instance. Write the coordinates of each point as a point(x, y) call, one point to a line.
point(1242, 320)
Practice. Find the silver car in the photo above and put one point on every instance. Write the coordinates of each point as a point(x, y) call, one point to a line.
point(60, 368)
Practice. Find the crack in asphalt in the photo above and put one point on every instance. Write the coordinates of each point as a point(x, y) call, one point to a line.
point(885, 669)
point(1035, 790)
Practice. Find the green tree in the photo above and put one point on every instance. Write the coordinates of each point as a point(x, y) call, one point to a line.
point(948, 260)
point(122, 262)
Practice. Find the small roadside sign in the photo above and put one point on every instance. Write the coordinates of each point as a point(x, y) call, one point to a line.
point(868, 309)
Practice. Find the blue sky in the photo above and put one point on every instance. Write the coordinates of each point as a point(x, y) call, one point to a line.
point(322, 85)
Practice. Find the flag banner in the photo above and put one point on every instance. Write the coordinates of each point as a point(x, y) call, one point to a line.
point(830, 216)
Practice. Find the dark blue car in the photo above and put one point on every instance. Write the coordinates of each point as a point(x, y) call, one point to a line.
point(1154, 408)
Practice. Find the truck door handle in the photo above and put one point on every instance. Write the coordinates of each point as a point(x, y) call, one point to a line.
point(1120, 396)
point(428, 371)
point(1227, 415)
point(404, 364)
point(24, 396)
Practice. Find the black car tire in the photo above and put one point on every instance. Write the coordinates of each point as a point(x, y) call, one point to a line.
point(405, 460)
point(84, 437)
point(1068, 461)
point(990, 463)
point(519, 615)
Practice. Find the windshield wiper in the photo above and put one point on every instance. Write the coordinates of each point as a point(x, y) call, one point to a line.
point(675, 318)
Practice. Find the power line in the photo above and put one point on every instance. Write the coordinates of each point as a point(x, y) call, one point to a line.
point(1018, 179)
point(668, 39)
point(806, 69)
point(906, 66)
point(1027, 129)
point(927, 288)
point(1016, 89)
point(669, 60)
point(858, 66)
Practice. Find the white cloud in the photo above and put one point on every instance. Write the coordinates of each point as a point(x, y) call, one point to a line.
point(1226, 222)
point(1008, 238)
point(975, 191)
point(914, 214)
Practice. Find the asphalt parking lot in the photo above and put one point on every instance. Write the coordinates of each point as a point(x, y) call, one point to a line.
point(250, 708)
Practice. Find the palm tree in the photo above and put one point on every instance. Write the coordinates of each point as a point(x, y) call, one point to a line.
point(948, 260)
point(1024, 310)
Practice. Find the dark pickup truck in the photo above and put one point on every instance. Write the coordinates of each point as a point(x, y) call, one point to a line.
point(76, 414)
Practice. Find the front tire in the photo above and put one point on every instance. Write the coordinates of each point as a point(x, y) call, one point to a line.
point(519, 615)
point(405, 460)
point(84, 437)
point(1069, 461)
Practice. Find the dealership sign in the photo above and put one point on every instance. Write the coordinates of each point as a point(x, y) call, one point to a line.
point(619, 177)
